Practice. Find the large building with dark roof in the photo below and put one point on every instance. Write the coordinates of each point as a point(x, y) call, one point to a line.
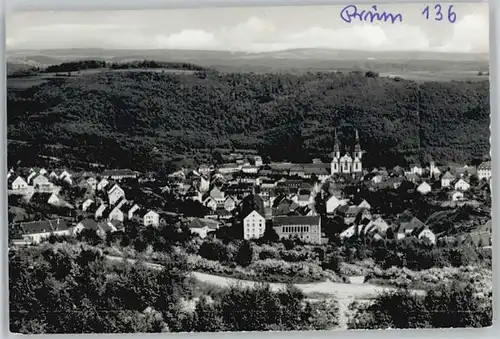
point(305, 228)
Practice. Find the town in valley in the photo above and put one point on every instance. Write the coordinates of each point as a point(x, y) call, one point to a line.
point(248, 169)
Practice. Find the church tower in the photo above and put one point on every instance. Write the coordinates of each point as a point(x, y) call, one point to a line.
point(335, 166)
point(358, 153)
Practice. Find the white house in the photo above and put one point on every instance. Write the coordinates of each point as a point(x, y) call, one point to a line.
point(31, 176)
point(42, 184)
point(86, 204)
point(204, 184)
point(332, 203)
point(462, 185)
point(210, 203)
point(202, 227)
point(365, 204)
point(434, 170)
point(101, 228)
point(229, 204)
point(254, 225)
point(457, 196)
point(302, 199)
point(447, 179)
point(53, 175)
point(116, 214)
point(19, 185)
point(417, 169)
point(428, 235)
point(424, 188)
point(100, 210)
point(349, 232)
point(250, 169)
point(67, 179)
point(132, 210)
point(42, 171)
point(217, 195)
point(34, 232)
point(115, 194)
point(258, 160)
point(102, 184)
point(151, 218)
point(484, 171)
point(64, 174)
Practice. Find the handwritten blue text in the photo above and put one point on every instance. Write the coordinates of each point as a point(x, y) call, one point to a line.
point(351, 12)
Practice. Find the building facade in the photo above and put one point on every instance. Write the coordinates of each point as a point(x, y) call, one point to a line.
point(305, 228)
point(254, 225)
point(348, 163)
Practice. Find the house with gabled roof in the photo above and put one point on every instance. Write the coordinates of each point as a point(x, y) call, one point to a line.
point(412, 177)
point(230, 204)
point(86, 204)
point(484, 171)
point(34, 232)
point(332, 203)
point(116, 214)
point(302, 199)
point(210, 203)
point(365, 204)
point(350, 213)
point(254, 225)
point(119, 174)
point(406, 228)
point(456, 196)
point(101, 185)
point(18, 185)
point(115, 194)
point(149, 218)
point(461, 185)
point(424, 188)
point(202, 227)
point(99, 213)
point(42, 184)
point(217, 195)
point(129, 208)
point(416, 169)
point(446, 179)
point(42, 198)
point(425, 234)
point(31, 176)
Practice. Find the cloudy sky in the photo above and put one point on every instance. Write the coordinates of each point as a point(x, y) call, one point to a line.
point(249, 29)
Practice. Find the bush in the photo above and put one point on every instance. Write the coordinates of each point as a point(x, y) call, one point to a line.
point(245, 254)
point(455, 305)
point(214, 250)
point(261, 309)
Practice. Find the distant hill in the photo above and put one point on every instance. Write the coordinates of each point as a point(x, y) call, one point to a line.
point(155, 120)
point(295, 61)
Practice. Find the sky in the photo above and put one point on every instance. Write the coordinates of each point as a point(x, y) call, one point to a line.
point(249, 29)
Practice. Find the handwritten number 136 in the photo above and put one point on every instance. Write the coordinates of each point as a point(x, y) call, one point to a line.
point(452, 17)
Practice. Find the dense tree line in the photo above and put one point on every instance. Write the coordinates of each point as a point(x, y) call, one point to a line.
point(450, 305)
point(414, 254)
point(75, 66)
point(69, 289)
point(151, 120)
point(155, 64)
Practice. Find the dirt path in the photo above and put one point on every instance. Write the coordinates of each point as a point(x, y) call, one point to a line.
point(344, 293)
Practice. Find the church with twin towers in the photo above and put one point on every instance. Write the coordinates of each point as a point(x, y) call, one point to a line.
point(347, 163)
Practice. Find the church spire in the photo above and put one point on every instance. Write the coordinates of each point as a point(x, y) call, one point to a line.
point(357, 147)
point(336, 146)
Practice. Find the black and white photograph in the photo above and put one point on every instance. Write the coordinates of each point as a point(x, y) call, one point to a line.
point(228, 169)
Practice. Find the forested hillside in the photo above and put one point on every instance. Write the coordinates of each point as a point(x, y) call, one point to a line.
point(148, 120)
